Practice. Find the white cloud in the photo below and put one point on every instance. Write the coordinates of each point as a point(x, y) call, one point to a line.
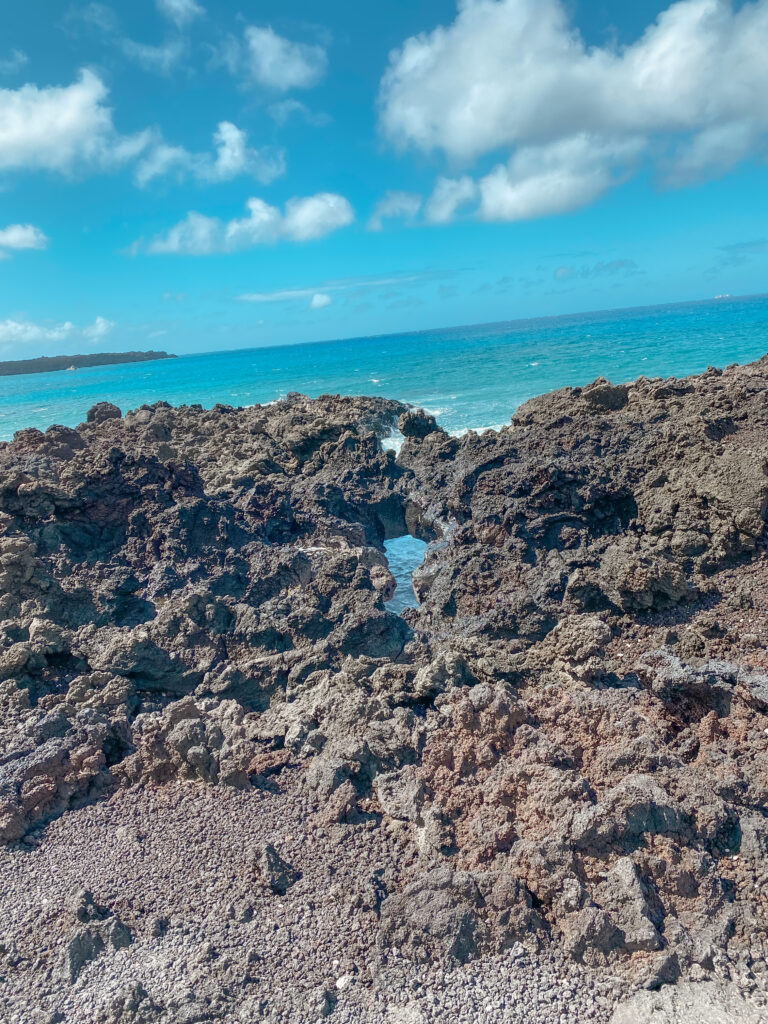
point(21, 236)
point(320, 301)
point(62, 128)
point(315, 216)
point(14, 62)
point(394, 204)
point(449, 194)
point(160, 59)
point(303, 219)
point(24, 332)
point(98, 329)
point(283, 110)
point(281, 64)
point(233, 157)
point(182, 12)
point(516, 74)
point(539, 181)
point(346, 284)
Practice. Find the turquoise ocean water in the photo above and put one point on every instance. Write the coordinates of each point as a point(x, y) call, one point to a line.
point(469, 377)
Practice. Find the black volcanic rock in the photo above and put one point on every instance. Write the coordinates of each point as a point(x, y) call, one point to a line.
point(567, 736)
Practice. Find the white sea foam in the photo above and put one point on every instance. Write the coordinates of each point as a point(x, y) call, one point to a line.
point(496, 427)
point(394, 442)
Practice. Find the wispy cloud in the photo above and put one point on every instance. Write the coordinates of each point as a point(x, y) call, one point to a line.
point(100, 328)
point(182, 12)
point(738, 253)
point(161, 58)
point(233, 157)
point(13, 62)
point(283, 110)
point(607, 268)
point(399, 205)
point(344, 285)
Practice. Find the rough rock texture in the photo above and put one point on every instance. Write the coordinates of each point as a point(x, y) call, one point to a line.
point(702, 1003)
point(555, 768)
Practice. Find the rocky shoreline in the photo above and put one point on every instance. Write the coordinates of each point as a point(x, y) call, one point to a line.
point(234, 787)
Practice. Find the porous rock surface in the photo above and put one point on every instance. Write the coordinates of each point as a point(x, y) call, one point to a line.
point(235, 787)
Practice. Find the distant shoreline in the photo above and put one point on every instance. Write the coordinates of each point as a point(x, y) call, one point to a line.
point(48, 364)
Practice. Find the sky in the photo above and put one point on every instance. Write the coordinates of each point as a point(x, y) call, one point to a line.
point(200, 176)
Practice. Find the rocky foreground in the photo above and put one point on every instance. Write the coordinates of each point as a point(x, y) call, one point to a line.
point(234, 787)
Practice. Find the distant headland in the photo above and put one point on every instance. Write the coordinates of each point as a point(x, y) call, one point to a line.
point(46, 364)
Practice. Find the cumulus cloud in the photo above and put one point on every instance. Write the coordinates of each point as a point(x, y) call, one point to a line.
point(70, 128)
point(25, 332)
point(394, 204)
point(320, 301)
point(182, 12)
point(539, 181)
point(516, 75)
point(21, 236)
point(303, 219)
point(233, 157)
point(62, 128)
point(282, 64)
point(13, 62)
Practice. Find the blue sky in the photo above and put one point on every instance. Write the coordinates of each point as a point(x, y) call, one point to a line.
point(192, 176)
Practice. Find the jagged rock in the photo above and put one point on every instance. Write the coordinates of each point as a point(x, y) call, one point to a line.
point(624, 897)
point(101, 931)
point(275, 872)
point(64, 769)
point(133, 1006)
point(577, 708)
point(456, 915)
point(103, 411)
point(435, 916)
point(417, 424)
point(690, 1003)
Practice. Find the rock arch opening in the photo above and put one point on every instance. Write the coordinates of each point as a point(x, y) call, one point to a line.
point(404, 554)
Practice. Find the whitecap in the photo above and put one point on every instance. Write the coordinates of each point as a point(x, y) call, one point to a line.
point(495, 427)
point(394, 442)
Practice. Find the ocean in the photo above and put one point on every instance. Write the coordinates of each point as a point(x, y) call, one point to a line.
point(468, 377)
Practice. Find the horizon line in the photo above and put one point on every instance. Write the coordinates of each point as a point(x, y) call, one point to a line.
point(482, 323)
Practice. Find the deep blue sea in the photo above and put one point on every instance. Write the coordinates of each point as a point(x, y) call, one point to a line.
point(468, 377)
